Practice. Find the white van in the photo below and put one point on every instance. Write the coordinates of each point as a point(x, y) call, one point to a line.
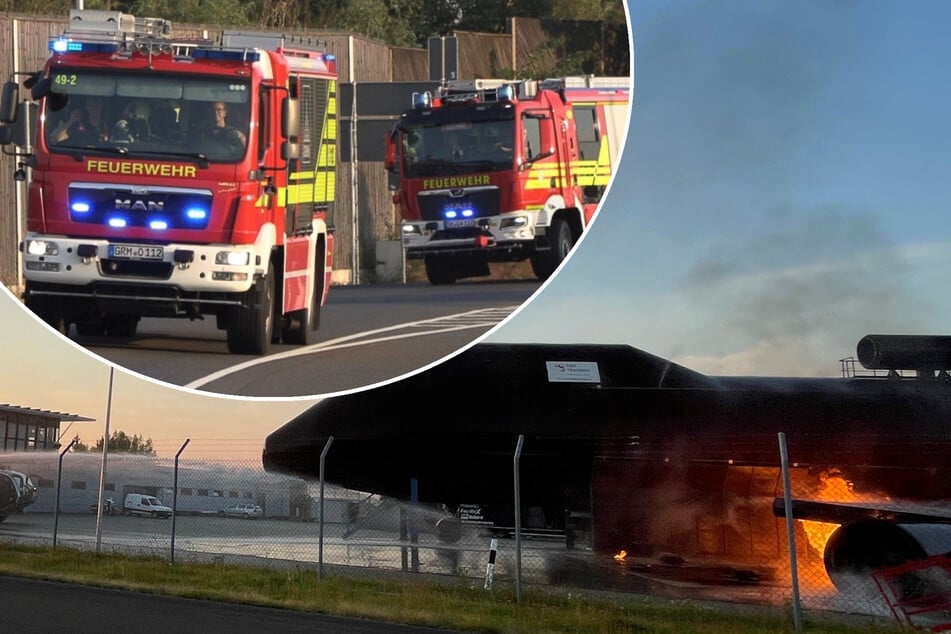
point(138, 504)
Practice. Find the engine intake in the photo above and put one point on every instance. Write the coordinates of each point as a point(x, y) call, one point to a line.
point(905, 352)
point(857, 548)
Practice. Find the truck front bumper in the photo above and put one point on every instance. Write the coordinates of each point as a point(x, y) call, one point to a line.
point(502, 235)
point(82, 262)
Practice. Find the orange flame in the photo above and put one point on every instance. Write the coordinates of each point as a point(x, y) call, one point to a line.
point(833, 487)
point(621, 555)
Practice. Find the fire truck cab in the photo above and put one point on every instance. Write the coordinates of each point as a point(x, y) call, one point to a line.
point(178, 178)
point(491, 170)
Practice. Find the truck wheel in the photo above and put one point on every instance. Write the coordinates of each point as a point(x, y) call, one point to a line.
point(300, 326)
point(251, 327)
point(50, 310)
point(121, 325)
point(544, 263)
point(440, 270)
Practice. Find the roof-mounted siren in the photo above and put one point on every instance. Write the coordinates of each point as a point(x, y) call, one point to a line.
point(100, 24)
point(157, 28)
point(422, 100)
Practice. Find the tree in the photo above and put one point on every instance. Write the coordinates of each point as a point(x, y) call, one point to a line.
point(120, 442)
point(78, 445)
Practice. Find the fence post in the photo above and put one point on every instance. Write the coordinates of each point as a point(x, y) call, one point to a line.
point(171, 556)
point(105, 455)
point(490, 567)
point(320, 525)
point(518, 521)
point(59, 480)
point(790, 532)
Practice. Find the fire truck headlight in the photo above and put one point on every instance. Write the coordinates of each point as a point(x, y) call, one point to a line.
point(233, 258)
point(42, 247)
point(517, 221)
point(409, 230)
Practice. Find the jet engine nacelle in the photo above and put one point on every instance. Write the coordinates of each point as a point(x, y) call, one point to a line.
point(905, 352)
point(854, 550)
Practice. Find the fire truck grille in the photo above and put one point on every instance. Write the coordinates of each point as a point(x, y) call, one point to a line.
point(482, 202)
point(158, 208)
point(133, 268)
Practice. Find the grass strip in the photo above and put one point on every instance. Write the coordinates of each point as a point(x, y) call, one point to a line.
point(428, 604)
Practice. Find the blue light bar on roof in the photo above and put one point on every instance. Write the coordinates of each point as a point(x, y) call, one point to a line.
point(68, 46)
point(226, 56)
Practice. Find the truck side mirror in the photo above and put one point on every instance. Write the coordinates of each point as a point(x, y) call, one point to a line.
point(6, 135)
point(8, 102)
point(290, 150)
point(22, 131)
point(290, 118)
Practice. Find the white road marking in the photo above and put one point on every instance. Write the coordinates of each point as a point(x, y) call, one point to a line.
point(481, 318)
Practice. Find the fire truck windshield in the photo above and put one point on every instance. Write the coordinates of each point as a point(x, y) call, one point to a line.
point(143, 113)
point(458, 147)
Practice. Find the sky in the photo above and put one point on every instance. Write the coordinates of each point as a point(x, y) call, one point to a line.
point(783, 190)
point(782, 193)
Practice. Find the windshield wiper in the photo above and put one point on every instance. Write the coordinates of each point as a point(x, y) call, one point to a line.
point(197, 157)
point(79, 156)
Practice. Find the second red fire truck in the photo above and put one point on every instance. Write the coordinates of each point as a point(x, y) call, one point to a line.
point(176, 178)
point(492, 170)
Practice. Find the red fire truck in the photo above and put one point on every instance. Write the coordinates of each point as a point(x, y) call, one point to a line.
point(493, 170)
point(179, 178)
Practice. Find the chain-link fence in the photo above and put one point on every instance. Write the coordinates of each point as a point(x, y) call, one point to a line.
point(736, 550)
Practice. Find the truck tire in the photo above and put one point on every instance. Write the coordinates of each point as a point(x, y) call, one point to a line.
point(440, 270)
point(50, 310)
point(561, 240)
point(251, 327)
point(300, 326)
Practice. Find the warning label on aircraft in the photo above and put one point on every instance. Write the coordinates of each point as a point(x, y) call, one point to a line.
point(573, 372)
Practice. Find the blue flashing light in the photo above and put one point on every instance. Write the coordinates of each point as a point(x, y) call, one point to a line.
point(117, 222)
point(158, 225)
point(452, 213)
point(422, 100)
point(196, 213)
point(329, 57)
point(81, 208)
point(68, 46)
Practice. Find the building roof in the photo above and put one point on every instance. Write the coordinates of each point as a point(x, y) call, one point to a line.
point(43, 413)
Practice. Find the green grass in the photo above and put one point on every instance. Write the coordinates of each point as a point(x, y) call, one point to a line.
point(438, 605)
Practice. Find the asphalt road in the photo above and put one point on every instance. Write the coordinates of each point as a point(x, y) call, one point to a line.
point(368, 334)
point(29, 606)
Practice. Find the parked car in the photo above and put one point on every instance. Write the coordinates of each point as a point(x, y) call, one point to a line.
point(26, 489)
point(138, 504)
point(244, 511)
point(8, 496)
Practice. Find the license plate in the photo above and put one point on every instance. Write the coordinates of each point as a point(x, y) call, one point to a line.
point(136, 252)
point(467, 222)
